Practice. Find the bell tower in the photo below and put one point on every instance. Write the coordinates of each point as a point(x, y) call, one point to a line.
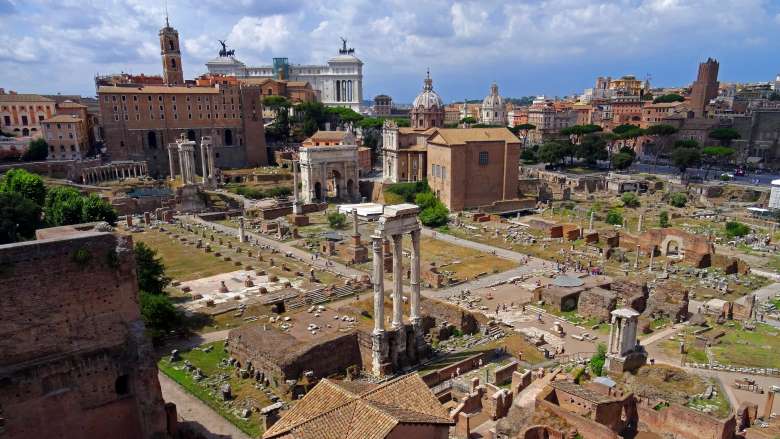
point(171, 55)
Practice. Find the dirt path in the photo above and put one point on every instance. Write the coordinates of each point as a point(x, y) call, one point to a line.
point(200, 416)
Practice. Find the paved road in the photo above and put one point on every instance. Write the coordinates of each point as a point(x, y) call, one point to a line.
point(763, 179)
point(199, 415)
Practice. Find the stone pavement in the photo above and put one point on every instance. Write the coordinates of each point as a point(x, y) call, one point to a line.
point(200, 416)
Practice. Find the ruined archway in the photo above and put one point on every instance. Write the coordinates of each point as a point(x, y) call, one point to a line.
point(318, 191)
point(334, 186)
point(673, 246)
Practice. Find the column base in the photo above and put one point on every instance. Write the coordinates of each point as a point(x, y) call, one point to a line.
point(380, 366)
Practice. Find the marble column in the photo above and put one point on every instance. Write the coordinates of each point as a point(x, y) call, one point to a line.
point(590, 225)
point(398, 275)
point(170, 162)
point(639, 225)
point(636, 261)
point(379, 285)
point(203, 163)
point(611, 339)
point(296, 201)
point(415, 280)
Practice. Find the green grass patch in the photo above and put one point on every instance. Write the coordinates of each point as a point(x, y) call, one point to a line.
point(209, 363)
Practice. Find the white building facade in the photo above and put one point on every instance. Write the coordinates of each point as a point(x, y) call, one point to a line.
point(339, 83)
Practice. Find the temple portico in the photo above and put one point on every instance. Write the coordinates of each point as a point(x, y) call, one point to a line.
point(184, 151)
point(624, 353)
point(402, 345)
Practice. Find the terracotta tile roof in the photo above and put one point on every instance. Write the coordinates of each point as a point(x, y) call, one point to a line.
point(71, 104)
point(11, 97)
point(354, 410)
point(157, 89)
point(408, 130)
point(459, 136)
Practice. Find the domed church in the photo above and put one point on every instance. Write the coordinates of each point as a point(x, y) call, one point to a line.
point(493, 109)
point(428, 108)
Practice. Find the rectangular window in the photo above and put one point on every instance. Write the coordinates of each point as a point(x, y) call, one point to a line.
point(7, 120)
point(483, 158)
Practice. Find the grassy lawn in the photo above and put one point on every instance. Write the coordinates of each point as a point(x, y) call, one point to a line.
point(207, 390)
point(694, 355)
point(757, 348)
point(183, 262)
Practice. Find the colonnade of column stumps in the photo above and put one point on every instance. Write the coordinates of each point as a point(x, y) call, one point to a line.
point(114, 171)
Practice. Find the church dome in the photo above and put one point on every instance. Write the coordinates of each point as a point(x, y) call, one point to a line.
point(493, 100)
point(428, 98)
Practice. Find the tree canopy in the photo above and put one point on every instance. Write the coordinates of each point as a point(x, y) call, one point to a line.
point(724, 135)
point(37, 151)
point(686, 154)
point(468, 120)
point(19, 217)
point(150, 270)
point(667, 98)
point(65, 205)
point(24, 183)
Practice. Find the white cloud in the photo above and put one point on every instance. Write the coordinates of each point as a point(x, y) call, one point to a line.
point(260, 34)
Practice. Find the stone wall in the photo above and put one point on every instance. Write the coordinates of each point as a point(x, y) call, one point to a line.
point(75, 359)
point(684, 423)
point(467, 322)
point(668, 300)
point(597, 303)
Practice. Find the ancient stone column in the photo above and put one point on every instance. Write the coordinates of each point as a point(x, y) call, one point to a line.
point(415, 280)
point(770, 401)
point(212, 164)
point(296, 201)
point(203, 163)
point(379, 285)
point(611, 340)
point(652, 256)
point(636, 261)
point(181, 164)
point(398, 274)
point(241, 235)
point(590, 225)
point(355, 224)
point(639, 224)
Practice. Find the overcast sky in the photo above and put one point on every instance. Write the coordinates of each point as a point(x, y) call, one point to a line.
point(552, 47)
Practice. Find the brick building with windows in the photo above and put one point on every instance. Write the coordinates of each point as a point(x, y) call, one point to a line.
point(67, 136)
point(140, 120)
point(459, 158)
point(21, 114)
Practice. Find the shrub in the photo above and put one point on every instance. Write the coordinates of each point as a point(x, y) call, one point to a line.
point(37, 151)
point(435, 216)
point(408, 190)
point(663, 219)
point(24, 183)
point(337, 220)
point(598, 360)
point(678, 199)
point(735, 228)
point(630, 199)
point(614, 217)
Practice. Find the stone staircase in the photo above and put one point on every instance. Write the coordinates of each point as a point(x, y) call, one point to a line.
point(343, 291)
point(495, 331)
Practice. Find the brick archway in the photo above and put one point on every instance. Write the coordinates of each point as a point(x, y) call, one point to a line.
point(673, 241)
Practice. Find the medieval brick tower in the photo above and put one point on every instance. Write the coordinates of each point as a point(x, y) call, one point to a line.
point(705, 88)
point(171, 55)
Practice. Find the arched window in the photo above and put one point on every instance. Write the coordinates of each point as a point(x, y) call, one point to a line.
point(170, 45)
point(228, 137)
point(191, 135)
point(173, 63)
point(151, 139)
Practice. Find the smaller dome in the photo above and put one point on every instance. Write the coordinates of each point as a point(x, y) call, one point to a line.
point(493, 100)
point(428, 98)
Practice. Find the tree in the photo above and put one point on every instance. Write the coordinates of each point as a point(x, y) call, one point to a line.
point(724, 135)
point(663, 219)
point(735, 229)
point(150, 270)
point(552, 152)
point(624, 158)
point(25, 184)
point(662, 133)
point(614, 217)
point(678, 199)
point(525, 128)
point(280, 105)
point(630, 199)
point(37, 151)
point(158, 313)
point(312, 116)
point(598, 359)
point(344, 116)
point(667, 98)
point(425, 200)
point(528, 156)
point(94, 208)
point(715, 155)
point(576, 132)
point(686, 154)
point(591, 148)
point(19, 217)
point(63, 206)
point(435, 216)
point(337, 220)
point(468, 120)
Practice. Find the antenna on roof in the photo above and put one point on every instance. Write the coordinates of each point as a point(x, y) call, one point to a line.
point(166, 14)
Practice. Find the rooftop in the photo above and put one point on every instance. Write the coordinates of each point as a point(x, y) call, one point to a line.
point(158, 89)
point(461, 136)
point(351, 409)
point(23, 97)
point(62, 118)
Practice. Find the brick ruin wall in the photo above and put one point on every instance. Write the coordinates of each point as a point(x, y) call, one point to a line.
point(75, 360)
point(684, 423)
point(325, 357)
point(593, 304)
point(668, 300)
point(467, 322)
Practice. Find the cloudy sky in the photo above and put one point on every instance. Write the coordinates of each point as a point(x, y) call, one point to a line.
point(553, 47)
